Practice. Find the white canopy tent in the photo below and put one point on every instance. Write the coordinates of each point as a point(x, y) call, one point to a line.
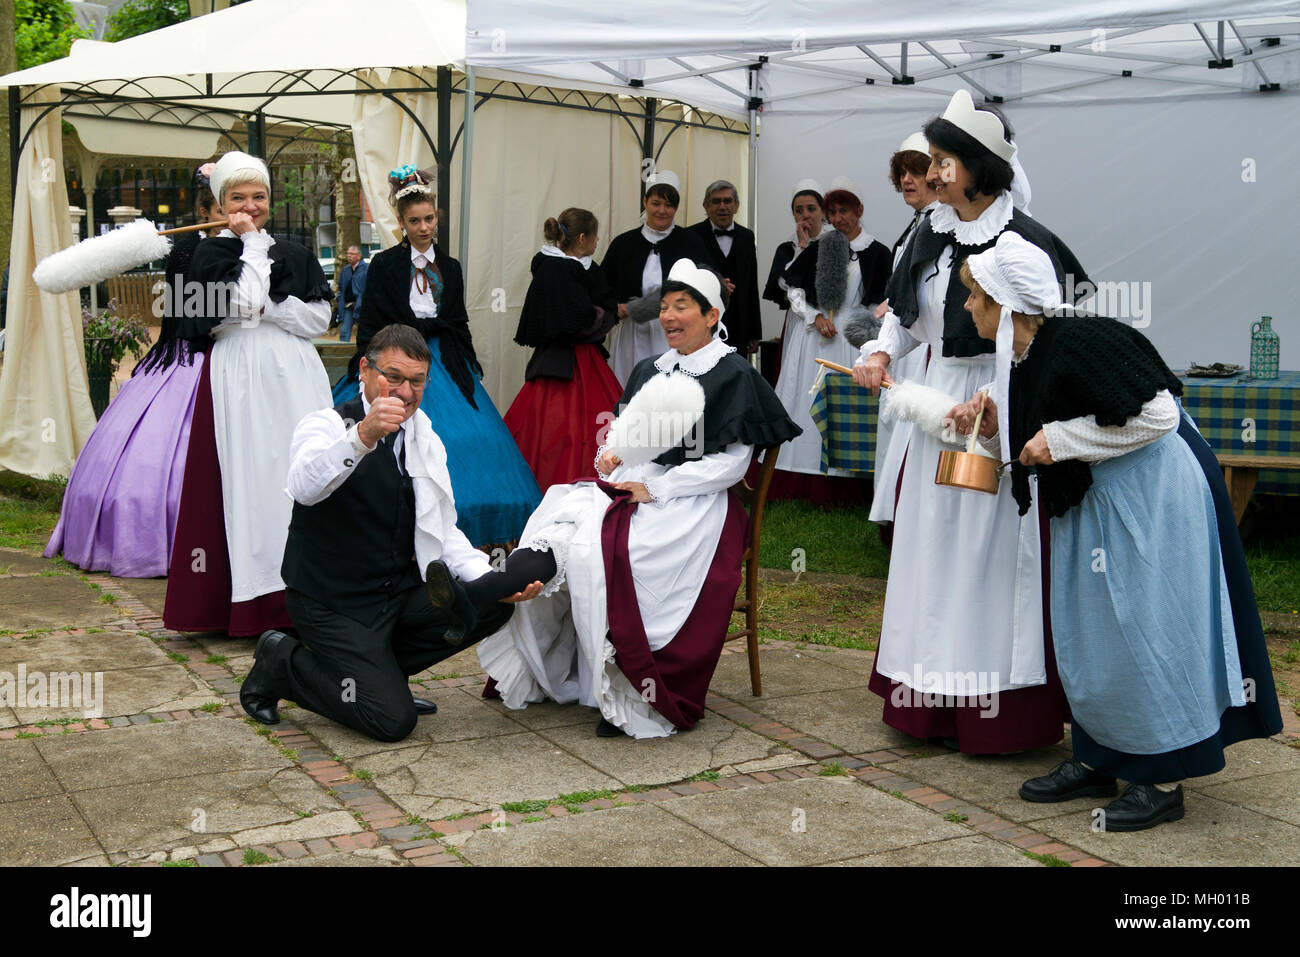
point(390, 78)
point(1156, 136)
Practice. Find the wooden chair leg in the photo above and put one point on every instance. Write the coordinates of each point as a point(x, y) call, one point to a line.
point(751, 625)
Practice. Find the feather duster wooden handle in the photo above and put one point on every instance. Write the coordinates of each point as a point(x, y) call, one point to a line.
point(191, 229)
point(836, 367)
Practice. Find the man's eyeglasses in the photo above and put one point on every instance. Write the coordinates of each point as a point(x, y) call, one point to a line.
point(417, 382)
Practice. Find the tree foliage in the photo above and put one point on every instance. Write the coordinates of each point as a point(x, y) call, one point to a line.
point(44, 31)
point(142, 16)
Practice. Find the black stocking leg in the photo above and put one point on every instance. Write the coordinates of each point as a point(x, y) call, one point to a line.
point(523, 567)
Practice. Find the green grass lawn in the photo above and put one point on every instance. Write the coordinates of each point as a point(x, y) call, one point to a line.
point(843, 541)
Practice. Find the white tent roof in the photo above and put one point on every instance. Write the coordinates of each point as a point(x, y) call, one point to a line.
point(843, 55)
point(273, 54)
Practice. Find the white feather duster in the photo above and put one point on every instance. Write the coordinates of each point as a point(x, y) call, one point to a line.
point(923, 405)
point(101, 257)
point(658, 418)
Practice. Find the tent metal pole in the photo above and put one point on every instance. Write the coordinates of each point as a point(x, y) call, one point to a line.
point(647, 143)
point(444, 149)
point(466, 168)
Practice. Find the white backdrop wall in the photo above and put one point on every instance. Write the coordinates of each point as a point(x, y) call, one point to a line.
point(1143, 192)
point(532, 161)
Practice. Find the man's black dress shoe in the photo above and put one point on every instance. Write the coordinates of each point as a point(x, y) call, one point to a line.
point(1069, 780)
point(1142, 806)
point(448, 596)
point(424, 707)
point(607, 730)
point(257, 694)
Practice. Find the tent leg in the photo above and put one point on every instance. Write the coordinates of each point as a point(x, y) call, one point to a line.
point(466, 168)
point(444, 148)
point(15, 137)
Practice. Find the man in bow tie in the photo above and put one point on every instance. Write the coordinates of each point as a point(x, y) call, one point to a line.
point(734, 256)
point(373, 510)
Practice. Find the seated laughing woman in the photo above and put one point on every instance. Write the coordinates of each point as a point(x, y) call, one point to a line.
point(641, 570)
point(1157, 634)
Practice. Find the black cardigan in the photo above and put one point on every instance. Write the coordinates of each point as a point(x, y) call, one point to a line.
point(565, 305)
point(387, 300)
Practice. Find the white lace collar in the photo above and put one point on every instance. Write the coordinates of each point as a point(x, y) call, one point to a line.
point(861, 241)
point(978, 231)
point(549, 250)
point(696, 363)
point(654, 235)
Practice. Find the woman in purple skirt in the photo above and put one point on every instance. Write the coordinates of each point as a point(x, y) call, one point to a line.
point(119, 510)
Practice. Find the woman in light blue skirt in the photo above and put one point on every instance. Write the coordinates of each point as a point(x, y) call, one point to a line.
point(1156, 632)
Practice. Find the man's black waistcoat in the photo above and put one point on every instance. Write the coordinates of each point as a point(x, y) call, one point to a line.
point(356, 548)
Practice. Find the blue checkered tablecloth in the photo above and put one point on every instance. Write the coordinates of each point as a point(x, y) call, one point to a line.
point(1225, 409)
point(845, 415)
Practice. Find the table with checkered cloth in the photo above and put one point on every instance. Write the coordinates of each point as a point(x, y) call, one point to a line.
point(1221, 406)
point(845, 415)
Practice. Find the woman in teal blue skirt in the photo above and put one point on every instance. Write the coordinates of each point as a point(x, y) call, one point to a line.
point(416, 283)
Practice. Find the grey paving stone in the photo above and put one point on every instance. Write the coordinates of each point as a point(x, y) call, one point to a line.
point(157, 752)
point(58, 601)
point(973, 851)
point(439, 779)
point(461, 717)
point(711, 744)
point(993, 781)
point(181, 811)
point(23, 774)
point(642, 836)
point(1212, 833)
point(784, 673)
point(848, 719)
point(45, 830)
point(1275, 795)
point(841, 818)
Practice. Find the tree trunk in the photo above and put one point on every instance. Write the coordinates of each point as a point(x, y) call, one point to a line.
point(8, 63)
point(347, 199)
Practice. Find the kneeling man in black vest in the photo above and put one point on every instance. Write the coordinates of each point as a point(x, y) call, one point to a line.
point(373, 507)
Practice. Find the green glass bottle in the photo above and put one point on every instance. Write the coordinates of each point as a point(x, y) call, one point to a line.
point(1263, 349)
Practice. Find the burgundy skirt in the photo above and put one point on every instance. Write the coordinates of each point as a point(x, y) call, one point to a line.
point(555, 422)
point(198, 578)
point(1027, 718)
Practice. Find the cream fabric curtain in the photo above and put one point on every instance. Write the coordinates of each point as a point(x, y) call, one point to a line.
point(530, 161)
point(43, 389)
point(386, 137)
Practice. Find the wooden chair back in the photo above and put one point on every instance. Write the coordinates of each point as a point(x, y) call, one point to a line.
point(754, 500)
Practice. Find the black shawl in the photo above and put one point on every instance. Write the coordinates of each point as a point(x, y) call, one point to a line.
point(959, 335)
point(565, 305)
point(294, 272)
point(773, 291)
point(624, 261)
point(1078, 366)
point(739, 406)
point(388, 300)
point(170, 347)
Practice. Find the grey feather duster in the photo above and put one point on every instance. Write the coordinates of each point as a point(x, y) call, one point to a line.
point(859, 325)
point(644, 308)
point(832, 271)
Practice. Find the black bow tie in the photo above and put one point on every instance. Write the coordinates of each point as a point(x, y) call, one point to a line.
point(723, 232)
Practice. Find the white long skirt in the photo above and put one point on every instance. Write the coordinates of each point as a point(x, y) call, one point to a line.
point(555, 646)
point(802, 344)
point(264, 380)
point(964, 597)
point(629, 342)
point(892, 438)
